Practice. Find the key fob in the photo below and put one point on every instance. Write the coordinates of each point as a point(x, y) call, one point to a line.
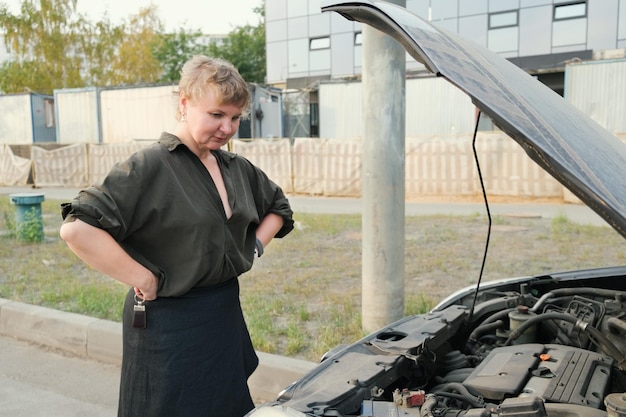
point(139, 316)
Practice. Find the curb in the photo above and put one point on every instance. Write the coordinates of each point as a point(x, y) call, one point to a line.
point(101, 340)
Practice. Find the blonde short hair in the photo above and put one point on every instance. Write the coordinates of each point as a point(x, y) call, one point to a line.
point(202, 72)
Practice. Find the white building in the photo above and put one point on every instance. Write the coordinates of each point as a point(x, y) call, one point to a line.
point(306, 48)
point(304, 45)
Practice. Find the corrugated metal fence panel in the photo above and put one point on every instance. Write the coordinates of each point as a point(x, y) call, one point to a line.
point(16, 119)
point(341, 110)
point(598, 89)
point(13, 169)
point(308, 166)
point(436, 166)
point(77, 115)
point(63, 167)
point(103, 157)
point(273, 156)
point(342, 167)
point(445, 166)
point(433, 107)
point(137, 113)
point(436, 107)
point(508, 171)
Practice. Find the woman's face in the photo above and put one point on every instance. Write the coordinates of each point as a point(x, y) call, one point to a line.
point(209, 123)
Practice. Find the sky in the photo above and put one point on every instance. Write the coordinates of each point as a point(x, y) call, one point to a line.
point(208, 16)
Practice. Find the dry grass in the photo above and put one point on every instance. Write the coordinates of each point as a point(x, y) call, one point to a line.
point(303, 296)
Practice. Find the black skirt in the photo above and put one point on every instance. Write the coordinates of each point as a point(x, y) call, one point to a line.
point(193, 358)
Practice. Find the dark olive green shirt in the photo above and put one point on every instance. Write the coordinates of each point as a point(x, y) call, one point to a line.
point(164, 209)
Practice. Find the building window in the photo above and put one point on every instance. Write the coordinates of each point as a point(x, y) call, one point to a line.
point(570, 10)
point(569, 27)
point(503, 20)
point(319, 43)
point(358, 38)
point(503, 34)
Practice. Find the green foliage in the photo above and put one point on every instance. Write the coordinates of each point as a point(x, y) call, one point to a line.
point(417, 304)
point(173, 50)
point(42, 39)
point(245, 49)
point(28, 229)
point(9, 225)
point(134, 62)
point(562, 225)
point(53, 46)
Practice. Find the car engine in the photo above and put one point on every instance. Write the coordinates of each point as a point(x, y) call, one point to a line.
point(546, 346)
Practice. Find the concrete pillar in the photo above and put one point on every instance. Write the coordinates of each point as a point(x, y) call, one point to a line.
point(383, 180)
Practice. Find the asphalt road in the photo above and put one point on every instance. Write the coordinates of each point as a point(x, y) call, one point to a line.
point(39, 382)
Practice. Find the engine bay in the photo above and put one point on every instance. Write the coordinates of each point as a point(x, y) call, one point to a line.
point(539, 347)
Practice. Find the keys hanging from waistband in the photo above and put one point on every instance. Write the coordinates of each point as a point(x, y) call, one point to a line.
point(139, 314)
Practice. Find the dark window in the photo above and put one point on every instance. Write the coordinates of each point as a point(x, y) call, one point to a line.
point(314, 119)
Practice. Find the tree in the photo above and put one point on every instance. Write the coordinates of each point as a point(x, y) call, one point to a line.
point(99, 52)
point(53, 47)
point(173, 50)
point(245, 49)
point(134, 62)
point(42, 41)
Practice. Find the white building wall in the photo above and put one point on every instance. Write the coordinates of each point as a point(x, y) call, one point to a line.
point(16, 121)
point(77, 115)
point(436, 107)
point(433, 107)
point(341, 110)
point(132, 114)
point(603, 26)
point(535, 34)
point(598, 88)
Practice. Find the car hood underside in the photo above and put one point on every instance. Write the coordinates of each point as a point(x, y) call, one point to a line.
point(576, 151)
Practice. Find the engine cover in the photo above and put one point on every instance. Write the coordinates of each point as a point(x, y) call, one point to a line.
point(558, 374)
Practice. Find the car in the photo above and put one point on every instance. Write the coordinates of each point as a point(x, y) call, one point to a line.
point(549, 345)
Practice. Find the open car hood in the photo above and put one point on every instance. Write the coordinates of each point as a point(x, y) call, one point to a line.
point(571, 147)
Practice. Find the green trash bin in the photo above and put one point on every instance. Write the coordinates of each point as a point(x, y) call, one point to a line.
point(28, 221)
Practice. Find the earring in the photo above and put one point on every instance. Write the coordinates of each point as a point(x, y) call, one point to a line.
point(182, 118)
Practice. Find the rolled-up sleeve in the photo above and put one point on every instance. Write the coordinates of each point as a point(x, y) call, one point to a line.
point(111, 205)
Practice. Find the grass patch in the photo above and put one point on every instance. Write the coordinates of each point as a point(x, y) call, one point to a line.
point(303, 297)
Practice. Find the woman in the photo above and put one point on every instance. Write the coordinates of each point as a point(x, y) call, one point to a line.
point(179, 221)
